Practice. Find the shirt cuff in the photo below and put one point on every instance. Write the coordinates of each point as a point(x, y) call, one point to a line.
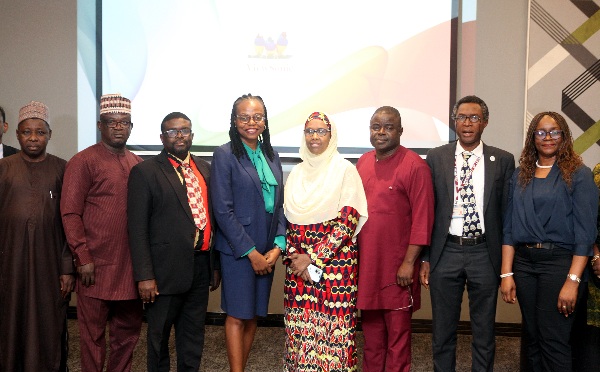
point(280, 242)
point(249, 250)
point(583, 250)
point(83, 257)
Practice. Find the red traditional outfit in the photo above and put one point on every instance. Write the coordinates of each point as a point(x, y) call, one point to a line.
point(400, 195)
point(94, 214)
point(326, 207)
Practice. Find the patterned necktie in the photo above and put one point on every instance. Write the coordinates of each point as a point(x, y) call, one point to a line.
point(471, 223)
point(194, 194)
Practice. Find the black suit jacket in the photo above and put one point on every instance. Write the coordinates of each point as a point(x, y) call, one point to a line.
point(160, 224)
point(499, 167)
point(8, 150)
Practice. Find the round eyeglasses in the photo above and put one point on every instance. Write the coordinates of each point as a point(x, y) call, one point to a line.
point(554, 134)
point(321, 132)
point(245, 119)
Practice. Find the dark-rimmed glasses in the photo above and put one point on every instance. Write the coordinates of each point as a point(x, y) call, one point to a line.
point(172, 133)
point(472, 118)
point(554, 134)
point(245, 119)
point(321, 132)
point(112, 124)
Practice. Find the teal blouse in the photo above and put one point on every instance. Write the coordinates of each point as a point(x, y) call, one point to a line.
point(268, 183)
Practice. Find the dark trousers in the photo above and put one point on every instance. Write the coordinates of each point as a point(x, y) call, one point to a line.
point(460, 266)
point(185, 311)
point(539, 276)
point(64, 351)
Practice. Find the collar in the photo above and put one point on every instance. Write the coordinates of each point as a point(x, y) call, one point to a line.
point(176, 161)
point(397, 151)
point(477, 151)
point(252, 152)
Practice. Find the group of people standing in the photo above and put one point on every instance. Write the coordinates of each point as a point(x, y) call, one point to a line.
point(165, 231)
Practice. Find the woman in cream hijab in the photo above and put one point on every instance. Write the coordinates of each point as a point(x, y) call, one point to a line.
point(326, 207)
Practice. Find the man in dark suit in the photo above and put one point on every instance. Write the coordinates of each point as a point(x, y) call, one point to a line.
point(169, 221)
point(470, 181)
point(5, 150)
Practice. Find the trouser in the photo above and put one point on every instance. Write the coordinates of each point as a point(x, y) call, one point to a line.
point(458, 266)
point(387, 340)
point(539, 276)
point(185, 311)
point(64, 350)
point(124, 325)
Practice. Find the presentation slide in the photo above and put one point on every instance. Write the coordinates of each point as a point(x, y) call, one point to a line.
point(339, 57)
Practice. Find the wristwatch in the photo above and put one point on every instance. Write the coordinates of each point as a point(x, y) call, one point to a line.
point(574, 278)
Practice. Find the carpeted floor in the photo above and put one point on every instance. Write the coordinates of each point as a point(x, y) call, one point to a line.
point(267, 352)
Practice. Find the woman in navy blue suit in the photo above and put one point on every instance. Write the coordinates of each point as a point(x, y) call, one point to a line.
point(247, 195)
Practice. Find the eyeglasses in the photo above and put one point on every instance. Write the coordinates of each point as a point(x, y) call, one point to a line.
point(245, 119)
point(376, 127)
point(472, 118)
point(112, 124)
point(172, 133)
point(410, 303)
point(321, 132)
point(554, 134)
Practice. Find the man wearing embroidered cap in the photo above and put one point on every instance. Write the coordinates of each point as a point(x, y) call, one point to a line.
point(36, 268)
point(94, 214)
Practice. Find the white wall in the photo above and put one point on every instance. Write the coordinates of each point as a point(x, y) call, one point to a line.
point(38, 61)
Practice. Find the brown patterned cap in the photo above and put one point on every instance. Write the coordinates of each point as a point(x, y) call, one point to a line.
point(114, 104)
point(34, 110)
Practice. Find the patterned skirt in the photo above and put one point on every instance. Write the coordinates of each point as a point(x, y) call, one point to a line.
point(319, 342)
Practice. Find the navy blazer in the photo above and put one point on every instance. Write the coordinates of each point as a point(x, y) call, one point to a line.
point(499, 167)
point(161, 226)
point(239, 205)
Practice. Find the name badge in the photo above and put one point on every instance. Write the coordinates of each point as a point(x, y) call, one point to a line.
point(458, 211)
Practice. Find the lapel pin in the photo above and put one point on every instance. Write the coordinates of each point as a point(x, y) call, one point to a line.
point(390, 187)
point(492, 158)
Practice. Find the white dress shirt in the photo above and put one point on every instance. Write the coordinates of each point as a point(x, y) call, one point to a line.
point(456, 224)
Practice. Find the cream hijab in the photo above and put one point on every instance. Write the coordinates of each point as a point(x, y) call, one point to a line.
point(319, 187)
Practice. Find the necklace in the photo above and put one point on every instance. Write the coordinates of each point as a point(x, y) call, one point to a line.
point(542, 166)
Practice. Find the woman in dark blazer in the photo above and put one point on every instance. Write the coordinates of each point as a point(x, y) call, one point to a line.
point(549, 230)
point(247, 195)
